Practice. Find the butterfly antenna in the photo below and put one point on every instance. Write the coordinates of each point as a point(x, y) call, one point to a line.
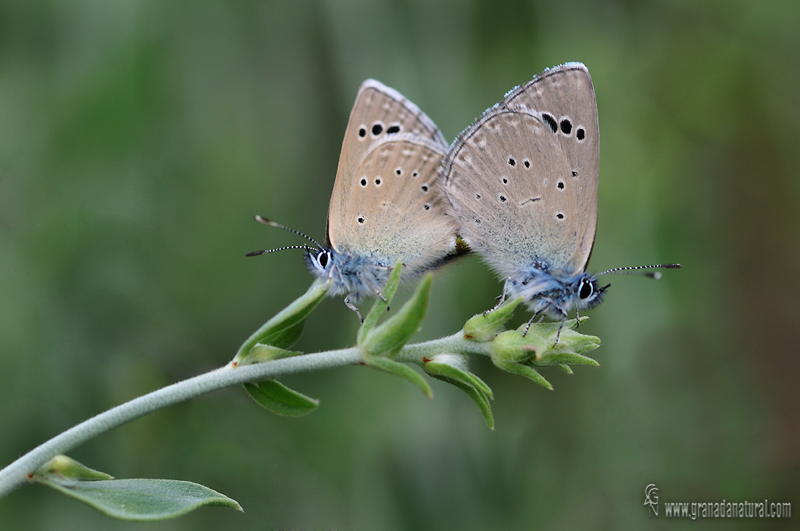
point(267, 251)
point(637, 270)
point(270, 223)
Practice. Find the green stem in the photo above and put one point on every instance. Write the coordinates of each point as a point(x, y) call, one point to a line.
point(16, 474)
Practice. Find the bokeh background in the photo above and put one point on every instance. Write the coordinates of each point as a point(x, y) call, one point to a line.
point(138, 138)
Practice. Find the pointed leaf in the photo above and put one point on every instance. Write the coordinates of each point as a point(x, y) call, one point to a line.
point(524, 371)
point(484, 326)
point(477, 396)
point(564, 368)
point(285, 328)
point(450, 372)
point(388, 338)
point(399, 369)
point(276, 397)
point(141, 499)
point(68, 469)
point(557, 357)
point(381, 305)
point(261, 353)
point(286, 337)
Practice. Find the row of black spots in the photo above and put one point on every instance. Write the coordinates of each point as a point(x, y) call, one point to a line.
point(399, 172)
point(425, 188)
point(377, 129)
point(565, 125)
point(363, 181)
point(361, 219)
point(502, 198)
point(560, 216)
point(560, 184)
point(426, 206)
point(512, 161)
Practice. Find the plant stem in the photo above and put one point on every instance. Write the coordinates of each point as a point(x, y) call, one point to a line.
point(17, 473)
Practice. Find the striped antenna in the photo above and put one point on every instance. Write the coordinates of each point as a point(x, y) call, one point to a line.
point(270, 223)
point(267, 251)
point(636, 270)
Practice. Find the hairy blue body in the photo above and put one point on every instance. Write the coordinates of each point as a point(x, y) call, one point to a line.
point(554, 292)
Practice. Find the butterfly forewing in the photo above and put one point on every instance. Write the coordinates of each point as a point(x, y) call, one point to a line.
point(380, 112)
point(386, 200)
point(565, 98)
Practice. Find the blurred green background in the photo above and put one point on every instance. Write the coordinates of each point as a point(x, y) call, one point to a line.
point(138, 138)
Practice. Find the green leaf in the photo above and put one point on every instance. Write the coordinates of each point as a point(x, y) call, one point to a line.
point(285, 328)
point(476, 395)
point(286, 337)
point(388, 338)
point(558, 357)
point(127, 499)
point(67, 468)
point(564, 368)
point(381, 305)
point(445, 370)
point(399, 369)
point(524, 371)
point(485, 326)
point(261, 353)
point(142, 500)
point(276, 397)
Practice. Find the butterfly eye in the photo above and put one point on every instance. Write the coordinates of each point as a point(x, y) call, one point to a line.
point(586, 290)
point(322, 258)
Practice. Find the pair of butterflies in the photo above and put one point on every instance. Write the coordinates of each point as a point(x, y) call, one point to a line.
point(519, 186)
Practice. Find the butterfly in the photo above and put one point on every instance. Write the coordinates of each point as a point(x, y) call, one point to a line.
point(522, 182)
point(387, 202)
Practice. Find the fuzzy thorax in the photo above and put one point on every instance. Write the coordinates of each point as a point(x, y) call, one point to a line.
point(555, 293)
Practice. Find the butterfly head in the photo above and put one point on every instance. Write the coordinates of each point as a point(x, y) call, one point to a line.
point(586, 292)
point(556, 294)
point(320, 261)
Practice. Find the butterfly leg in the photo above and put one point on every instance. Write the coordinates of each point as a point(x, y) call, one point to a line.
point(563, 320)
point(549, 302)
point(379, 294)
point(577, 318)
point(500, 298)
point(349, 304)
point(376, 290)
point(530, 321)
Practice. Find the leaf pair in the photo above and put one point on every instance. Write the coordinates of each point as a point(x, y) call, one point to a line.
point(269, 343)
point(379, 344)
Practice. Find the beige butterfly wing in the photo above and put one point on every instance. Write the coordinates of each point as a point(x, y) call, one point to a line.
point(565, 98)
point(511, 191)
point(387, 201)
